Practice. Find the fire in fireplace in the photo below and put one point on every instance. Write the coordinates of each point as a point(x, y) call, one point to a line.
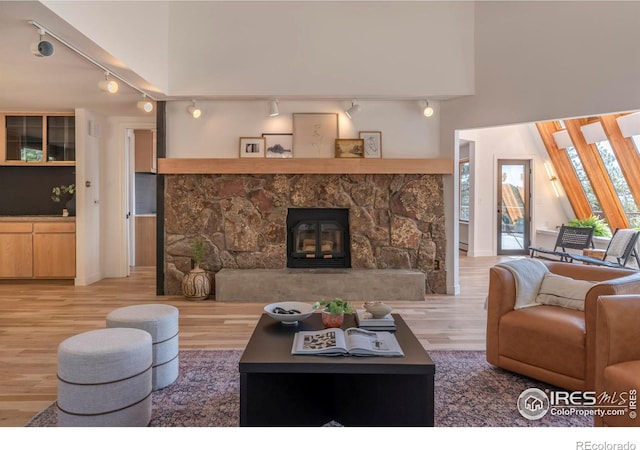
point(318, 238)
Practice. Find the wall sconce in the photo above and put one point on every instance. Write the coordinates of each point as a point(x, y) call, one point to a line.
point(355, 109)
point(107, 85)
point(145, 104)
point(552, 178)
point(193, 110)
point(273, 108)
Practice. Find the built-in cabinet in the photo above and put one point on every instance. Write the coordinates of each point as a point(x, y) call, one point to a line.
point(145, 151)
point(38, 249)
point(43, 139)
point(145, 240)
point(16, 257)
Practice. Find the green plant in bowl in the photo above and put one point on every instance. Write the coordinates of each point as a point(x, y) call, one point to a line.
point(59, 192)
point(198, 250)
point(336, 306)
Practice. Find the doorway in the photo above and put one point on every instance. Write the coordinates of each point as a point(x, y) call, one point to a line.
point(514, 215)
point(141, 196)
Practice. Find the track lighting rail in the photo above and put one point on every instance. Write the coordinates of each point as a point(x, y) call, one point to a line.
point(88, 58)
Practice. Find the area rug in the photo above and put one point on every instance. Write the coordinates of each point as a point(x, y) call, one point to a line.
point(469, 392)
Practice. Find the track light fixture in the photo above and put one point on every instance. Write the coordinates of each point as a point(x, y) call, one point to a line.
point(107, 85)
point(273, 108)
point(42, 47)
point(45, 48)
point(426, 109)
point(193, 110)
point(145, 104)
point(355, 109)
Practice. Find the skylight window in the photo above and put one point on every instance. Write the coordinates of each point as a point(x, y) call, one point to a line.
point(576, 162)
point(611, 190)
point(619, 182)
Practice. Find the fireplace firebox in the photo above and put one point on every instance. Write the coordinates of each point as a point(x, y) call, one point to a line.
point(318, 238)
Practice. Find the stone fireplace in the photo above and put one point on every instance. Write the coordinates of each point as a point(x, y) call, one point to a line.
point(394, 221)
point(318, 238)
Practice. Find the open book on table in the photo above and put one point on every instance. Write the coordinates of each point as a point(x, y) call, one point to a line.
point(352, 341)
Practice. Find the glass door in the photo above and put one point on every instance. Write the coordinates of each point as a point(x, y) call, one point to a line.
point(513, 207)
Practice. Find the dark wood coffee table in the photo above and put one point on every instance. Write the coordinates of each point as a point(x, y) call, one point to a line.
point(281, 389)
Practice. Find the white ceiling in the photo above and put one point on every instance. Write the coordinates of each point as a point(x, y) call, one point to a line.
point(63, 81)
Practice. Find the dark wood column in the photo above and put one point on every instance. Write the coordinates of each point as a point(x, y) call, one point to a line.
point(161, 152)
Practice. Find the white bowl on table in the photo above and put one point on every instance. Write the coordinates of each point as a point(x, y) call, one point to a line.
point(300, 311)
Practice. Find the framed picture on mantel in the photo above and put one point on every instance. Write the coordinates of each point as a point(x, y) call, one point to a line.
point(349, 148)
point(314, 134)
point(372, 143)
point(251, 147)
point(278, 145)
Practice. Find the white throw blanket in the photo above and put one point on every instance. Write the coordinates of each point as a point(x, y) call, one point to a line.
point(528, 273)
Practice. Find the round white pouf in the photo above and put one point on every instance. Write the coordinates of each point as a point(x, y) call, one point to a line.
point(161, 322)
point(104, 379)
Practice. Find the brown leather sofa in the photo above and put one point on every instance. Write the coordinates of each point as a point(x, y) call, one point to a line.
point(618, 356)
point(549, 343)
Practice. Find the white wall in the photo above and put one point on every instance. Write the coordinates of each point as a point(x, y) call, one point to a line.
point(406, 133)
point(304, 48)
point(89, 148)
point(320, 48)
point(134, 31)
point(508, 142)
point(547, 60)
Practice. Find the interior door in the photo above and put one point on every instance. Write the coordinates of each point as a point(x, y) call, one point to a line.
point(514, 215)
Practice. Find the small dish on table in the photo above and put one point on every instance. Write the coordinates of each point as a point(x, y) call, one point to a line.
point(289, 313)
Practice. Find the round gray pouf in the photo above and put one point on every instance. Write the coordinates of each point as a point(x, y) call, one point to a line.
point(161, 322)
point(105, 379)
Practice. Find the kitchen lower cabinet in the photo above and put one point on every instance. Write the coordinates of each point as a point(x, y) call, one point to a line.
point(145, 240)
point(39, 250)
point(16, 250)
point(54, 250)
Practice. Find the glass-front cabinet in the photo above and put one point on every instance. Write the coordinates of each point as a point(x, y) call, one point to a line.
point(38, 139)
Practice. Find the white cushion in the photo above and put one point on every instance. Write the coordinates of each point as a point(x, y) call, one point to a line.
point(159, 320)
point(104, 355)
point(563, 291)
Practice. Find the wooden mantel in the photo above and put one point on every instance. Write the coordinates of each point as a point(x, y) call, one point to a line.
point(304, 166)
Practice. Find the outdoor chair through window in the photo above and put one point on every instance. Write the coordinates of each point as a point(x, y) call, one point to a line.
point(621, 248)
point(569, 238)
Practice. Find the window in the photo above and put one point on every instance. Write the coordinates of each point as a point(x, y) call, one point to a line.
point(619, 182)
point(576, 162)
point(464, 191)
point(598, 168)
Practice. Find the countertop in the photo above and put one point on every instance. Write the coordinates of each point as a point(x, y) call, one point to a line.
point(37, 219)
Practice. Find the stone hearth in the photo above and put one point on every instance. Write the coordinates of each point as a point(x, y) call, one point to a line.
point(355, 285)
point(395, 221)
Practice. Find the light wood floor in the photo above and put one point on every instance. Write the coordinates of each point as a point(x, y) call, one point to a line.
point(35, 318)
